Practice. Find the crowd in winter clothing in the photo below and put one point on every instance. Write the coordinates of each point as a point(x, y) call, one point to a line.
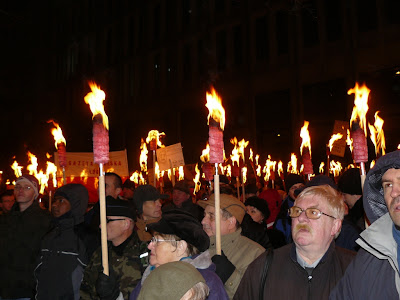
point(306, 238)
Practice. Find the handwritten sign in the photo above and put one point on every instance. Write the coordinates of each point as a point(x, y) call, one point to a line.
point(339, 146)
point(81, 164)
point(170, 157)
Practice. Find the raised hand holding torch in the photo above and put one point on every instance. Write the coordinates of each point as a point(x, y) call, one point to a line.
point(100, 156)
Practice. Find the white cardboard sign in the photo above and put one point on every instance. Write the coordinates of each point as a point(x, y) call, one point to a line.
point(170, 157)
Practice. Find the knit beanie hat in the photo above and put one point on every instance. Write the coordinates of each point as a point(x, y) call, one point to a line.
point(170, 281)
point(291, 180)
point(31, 180)
point(350, 182)
point(260, 204)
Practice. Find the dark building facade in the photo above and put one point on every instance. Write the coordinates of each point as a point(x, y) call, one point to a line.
point(275, 64)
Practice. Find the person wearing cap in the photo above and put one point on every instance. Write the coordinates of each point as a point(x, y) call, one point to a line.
point(21, 232)
point(148, 205)
point(125, 248)
point(311, 266)
point(67, 248)
point(182, 199)
point(283, 222)
point(178, 236)
point(175, 281)
point(237, 251)
point(374, 273)
point(350, 186)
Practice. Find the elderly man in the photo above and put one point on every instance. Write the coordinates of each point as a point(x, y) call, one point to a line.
point(374, 273)
point(21, 232)
point(237, 251)
point(311, 266)
point(124, 250)
point(148, 204)
point(182, 199)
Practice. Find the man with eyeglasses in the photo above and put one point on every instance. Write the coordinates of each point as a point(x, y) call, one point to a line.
point(374, 273)
point(20, 236)
point(125, 249)
point(311, 266)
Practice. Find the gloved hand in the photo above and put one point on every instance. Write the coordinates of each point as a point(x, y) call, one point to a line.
point(224, 266)
point(107, 286)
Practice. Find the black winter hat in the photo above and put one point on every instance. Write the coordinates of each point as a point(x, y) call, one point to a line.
point(260, 204)
point(317, 180)
point(145, 193)
point(78, 197)
point(119, 207)
point(350, 182)
point(291, 180)
point(183, 225)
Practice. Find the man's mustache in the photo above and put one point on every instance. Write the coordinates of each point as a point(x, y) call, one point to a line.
point(299, 227)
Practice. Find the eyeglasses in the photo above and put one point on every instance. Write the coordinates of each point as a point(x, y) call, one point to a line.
point(25, 188)
point(311, 213)
point(112, 220)
point(155, 240)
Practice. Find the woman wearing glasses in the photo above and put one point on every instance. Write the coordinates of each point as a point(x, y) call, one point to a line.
point(178, 236)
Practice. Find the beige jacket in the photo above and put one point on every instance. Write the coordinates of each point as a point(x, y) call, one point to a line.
point(144, 236)
point(241, 251)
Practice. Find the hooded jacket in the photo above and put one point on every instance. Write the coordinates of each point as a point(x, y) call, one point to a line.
point(64, 253)
point(378, 253)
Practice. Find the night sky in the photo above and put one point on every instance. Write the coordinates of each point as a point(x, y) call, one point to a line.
point(27, 101)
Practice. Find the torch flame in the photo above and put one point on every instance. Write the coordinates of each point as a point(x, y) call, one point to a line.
point(372, 164)
point(215, 108)
point(228, 171)
point(335, 137)
point(292, 164)
point(43, 179)
point(335, 168)
point(32, 167)
point(235, 156)
point(157, 171)
point(268, 168)
point(321, 168)
point(143, 156)
point(243, 145)
point(258, 170)
point(305, 135)
point(154, 134)
point(280, 168)
point(360, 109)
point(57, 133)
point(205, 154)
point(251, 155)
point(257, 157)
point(95, 100)
point(244, 174)
point(377, 135)
point(181, 173)
point(349, 140)
point(52, 169)
point(196, 179)
point(17, 169)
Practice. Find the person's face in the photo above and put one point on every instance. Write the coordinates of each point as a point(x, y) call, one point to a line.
point(127, 193)
point(255, 214)
point(110, 188)
point(208, 222)
point(178, 197)
point(8, 202)
point(314, 235)
point(391, 193)
point(161, 252)
point(116, 229)
point(293, 188)
point(152, 209)
point(60, 206)
point(24, 192)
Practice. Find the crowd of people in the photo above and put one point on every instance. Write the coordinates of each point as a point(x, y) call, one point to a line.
point(323, 238)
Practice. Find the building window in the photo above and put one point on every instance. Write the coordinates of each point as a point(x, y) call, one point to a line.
point(309, 19)
point(262, 47)
point(237, 45)
point(282, 32)
point(333, 20)
point(221, 50)
point(366, 15)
